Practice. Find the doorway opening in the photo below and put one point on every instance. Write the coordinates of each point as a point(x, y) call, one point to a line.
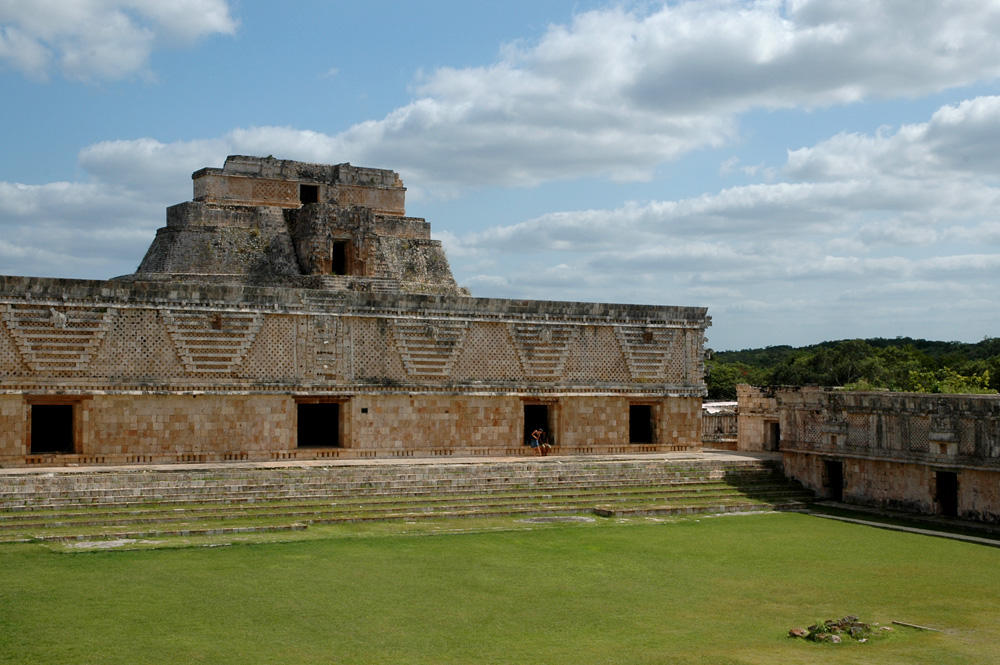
point(773, 435)
point(51, 429)
point(834, 479)
point(319, 425)
point(947, 493)
point(338, 257)
point(536, 416)
point(640, 423)
point(308, 194)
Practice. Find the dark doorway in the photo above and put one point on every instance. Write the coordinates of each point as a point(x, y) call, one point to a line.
point(51, 428)
point(640, 423)
point(308, 194)
point(773, 436)
point(535, 416)
point(835, 479)
point(338, 258)
point(947, 493)
point(319, 425)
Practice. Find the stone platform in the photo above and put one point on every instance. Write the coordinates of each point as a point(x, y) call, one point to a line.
point(164, 501)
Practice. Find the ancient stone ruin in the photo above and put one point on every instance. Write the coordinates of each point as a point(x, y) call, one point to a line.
point(270, 222)
point(294, 311)
point(912, 452)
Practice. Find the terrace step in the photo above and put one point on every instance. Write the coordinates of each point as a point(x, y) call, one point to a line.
point(165, 504)
point(248, 493)
point(249, 499)
point(454, 474)
point(315, 511)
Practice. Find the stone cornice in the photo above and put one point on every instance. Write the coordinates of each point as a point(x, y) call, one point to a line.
point(53, 292)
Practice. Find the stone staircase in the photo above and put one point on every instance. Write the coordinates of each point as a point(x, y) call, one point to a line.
point(64, 505)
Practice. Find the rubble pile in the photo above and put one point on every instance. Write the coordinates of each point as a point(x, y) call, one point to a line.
point(836, 631)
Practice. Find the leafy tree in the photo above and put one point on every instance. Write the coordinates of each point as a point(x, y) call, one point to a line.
point(901, 364)
point(723, 378)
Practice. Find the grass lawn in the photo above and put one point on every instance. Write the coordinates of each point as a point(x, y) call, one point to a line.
point(713, 590)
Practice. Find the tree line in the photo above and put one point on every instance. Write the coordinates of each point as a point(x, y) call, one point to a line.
point(899, 364)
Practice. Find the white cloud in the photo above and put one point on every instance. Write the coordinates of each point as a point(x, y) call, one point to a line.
point(101, 39)
point(22, 51)
point(615, 93)
point(958, 139)
point(65, 229)
point(887, 212)
point(160, 170)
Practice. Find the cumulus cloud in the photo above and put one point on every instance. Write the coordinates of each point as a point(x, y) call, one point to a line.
point(101, 39)
point(66, 229)
point(611, 94)
point(892, 212)
point(160, 170)
point(961, 138)
point(614, 93)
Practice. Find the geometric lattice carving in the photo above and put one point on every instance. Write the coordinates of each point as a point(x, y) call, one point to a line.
point(487, 354)
point(542, 348)
point(274, 191)
point(57, 339)
point(428, 348)
point(327, 338)
point(811, 427)
point(858, 426)
point(969, 434)
point(919, 435)
point(646, 350)
point(213, 342)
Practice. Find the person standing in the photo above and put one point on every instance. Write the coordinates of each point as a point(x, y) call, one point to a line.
point(536, 440)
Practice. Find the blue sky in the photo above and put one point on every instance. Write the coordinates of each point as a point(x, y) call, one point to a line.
point(807, 170)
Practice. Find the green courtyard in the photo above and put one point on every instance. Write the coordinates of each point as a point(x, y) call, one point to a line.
point(710, 590)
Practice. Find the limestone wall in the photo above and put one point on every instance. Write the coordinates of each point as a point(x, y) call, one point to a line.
point(264, 181)
point(170, 425)
point(158, 428)
point(179, 369)
point(13, 423)
point(178, 336)
point(593, 420)
point(248, 244)
point(892, 449)
point(435, 421)
point(271, 246)
point(757, 415)
point(946, 429)
point(719, 430)
point(680, 421)
point(979, 495)
point(892, 485)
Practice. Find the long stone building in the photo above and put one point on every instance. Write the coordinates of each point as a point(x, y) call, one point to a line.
point(293, 310)
point(925, 453)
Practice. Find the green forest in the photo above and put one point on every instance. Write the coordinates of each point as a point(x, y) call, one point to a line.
point(899, 364)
